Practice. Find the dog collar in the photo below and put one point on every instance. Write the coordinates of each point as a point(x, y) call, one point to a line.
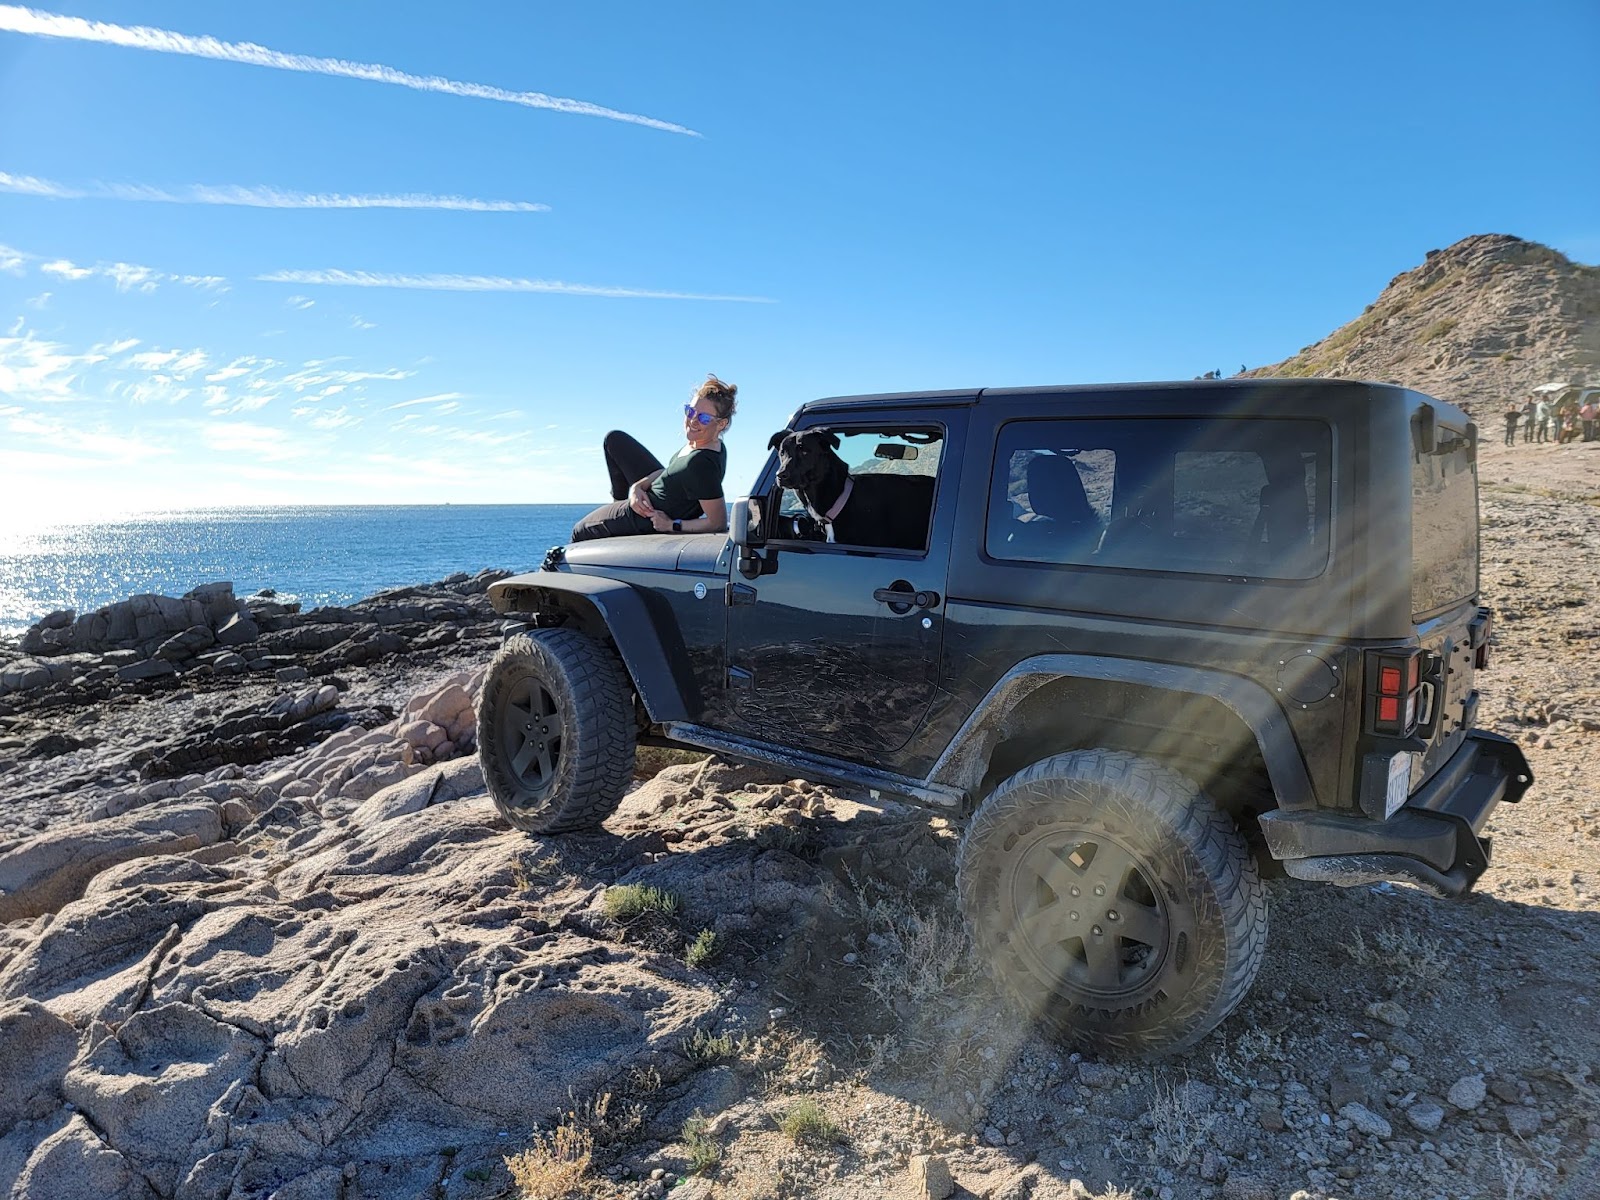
point(827, 520)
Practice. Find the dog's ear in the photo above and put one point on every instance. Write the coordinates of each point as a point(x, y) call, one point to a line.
point(772, 442)
point(833, 440)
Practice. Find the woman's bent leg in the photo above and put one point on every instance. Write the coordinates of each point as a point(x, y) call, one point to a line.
point(627, 462)
point(611, 520)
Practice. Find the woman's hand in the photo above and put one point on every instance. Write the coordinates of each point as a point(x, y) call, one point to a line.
point(639, 501)
point(660, 522)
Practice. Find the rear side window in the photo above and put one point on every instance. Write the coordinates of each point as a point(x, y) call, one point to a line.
point(1226, 497)
point(1444, 523)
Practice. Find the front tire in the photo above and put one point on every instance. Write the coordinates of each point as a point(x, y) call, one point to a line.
point(1114, 900)
point(556, 733)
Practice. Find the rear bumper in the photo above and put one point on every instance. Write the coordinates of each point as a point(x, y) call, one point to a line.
point(1433, 841)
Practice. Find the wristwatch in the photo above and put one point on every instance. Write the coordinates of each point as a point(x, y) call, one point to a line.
point(677, 527)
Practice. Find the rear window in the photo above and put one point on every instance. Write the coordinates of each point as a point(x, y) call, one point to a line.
point(1444, 523)
point(1228, 497)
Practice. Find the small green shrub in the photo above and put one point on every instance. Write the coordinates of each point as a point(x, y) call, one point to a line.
point(630, 901)
point(1439, 328)
point(704, 1152)
point(806, 1122)
point(706, 1048)
point(703, 950)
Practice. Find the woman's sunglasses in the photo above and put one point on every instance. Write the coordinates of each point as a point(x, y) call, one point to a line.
point(689, 410)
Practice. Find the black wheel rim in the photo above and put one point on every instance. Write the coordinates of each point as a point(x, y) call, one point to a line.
point(1088, 914)
point(530, 734)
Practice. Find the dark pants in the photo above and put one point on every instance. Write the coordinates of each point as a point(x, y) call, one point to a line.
point(627, 462)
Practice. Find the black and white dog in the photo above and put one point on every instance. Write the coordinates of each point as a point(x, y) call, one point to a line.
point(858, 510)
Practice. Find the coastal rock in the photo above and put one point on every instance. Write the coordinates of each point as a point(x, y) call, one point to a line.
point(185, 645)
point(153, 668)
point(48, 871)
point(238, 630)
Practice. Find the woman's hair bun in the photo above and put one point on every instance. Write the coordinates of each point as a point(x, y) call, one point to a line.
point(720, 394)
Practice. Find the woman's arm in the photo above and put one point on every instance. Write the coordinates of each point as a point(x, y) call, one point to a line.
point(714, 521)
point(639, 495)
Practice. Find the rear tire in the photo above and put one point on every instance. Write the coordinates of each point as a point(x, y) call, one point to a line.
point(1114, 900)
point(556, 733)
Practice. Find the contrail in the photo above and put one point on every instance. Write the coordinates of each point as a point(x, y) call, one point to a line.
point(16, 19)
point(484, 283)
point(253, 197)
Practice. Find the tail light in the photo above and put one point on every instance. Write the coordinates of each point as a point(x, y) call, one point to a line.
point(1394, 686)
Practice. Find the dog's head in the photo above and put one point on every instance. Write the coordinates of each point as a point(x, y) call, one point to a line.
point(806, 459)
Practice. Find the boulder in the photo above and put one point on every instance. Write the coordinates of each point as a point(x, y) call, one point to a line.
point(152, 668)
point(238, 630)
point(181, 647)
point(45, 872)
point(37, 1047)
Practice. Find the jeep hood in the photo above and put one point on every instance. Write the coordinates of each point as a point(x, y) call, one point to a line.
point(699, 552)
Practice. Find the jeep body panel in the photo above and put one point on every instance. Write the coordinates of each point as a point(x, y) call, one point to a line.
point(859, 683)
point(648, 624)
point(964, 760)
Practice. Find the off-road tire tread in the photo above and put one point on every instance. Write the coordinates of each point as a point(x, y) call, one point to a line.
point(1162, 796)
point(598, 748)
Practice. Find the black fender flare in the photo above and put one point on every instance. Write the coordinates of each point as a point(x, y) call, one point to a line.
point(622, 609)
point(1249, 701)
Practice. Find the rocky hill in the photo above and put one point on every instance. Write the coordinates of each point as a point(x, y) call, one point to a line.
point(1476, 324)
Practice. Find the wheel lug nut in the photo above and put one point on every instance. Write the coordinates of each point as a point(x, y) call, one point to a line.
point(1099, 889)
point(1111, 915)
point(1074, 916)
point(1075, 891)
point(1096, 931)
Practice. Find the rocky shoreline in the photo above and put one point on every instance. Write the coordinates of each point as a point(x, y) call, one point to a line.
point(155, 688)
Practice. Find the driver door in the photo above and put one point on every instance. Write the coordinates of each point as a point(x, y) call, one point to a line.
point(835, 647)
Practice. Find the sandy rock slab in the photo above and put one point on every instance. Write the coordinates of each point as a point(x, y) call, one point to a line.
point(339, 999)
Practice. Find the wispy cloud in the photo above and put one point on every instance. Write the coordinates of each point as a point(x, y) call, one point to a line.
point(16, 19)
point(299, 302)
point(441, 398)
point(485, 283)
point(127, 277)
point(254, 197)
point(358, 322)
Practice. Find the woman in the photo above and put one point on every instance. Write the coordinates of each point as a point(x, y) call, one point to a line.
point(685, 496)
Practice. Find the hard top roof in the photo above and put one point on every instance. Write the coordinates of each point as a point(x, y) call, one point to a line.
point(1224, 391)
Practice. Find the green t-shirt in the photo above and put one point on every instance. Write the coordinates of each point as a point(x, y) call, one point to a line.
point(691, 476)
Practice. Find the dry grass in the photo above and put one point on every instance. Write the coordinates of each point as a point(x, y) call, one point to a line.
point(605, 1118)
point(914, 954)
point(1180, 1125)
point(555, 1166)
point(1521, 1181)
point(1411, 961)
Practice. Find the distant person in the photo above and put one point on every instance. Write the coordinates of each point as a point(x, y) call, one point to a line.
point(1541, 420)
point(1527, 421)
point(685, 496)
point(1513, 415)
point(1587, 416)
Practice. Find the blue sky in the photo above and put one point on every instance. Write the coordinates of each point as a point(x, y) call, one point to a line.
point(874, 197)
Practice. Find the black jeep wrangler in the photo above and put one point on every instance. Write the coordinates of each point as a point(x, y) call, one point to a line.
point(1152, 641)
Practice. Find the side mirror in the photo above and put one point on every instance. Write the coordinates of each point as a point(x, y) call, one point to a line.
point(739, 523)
point(1422, 431)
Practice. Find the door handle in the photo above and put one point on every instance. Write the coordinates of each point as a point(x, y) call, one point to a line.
point(904, 600)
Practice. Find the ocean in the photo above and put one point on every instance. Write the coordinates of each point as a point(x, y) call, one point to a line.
point(314, 554)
